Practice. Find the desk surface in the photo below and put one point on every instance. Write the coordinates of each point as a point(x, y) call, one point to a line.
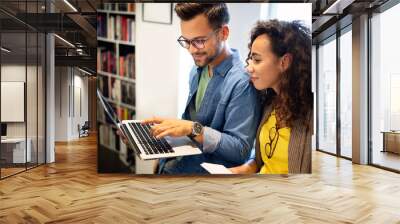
point(13, 140)
point(390, 132)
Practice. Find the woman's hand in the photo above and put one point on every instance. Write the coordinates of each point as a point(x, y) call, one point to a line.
point(247, 168)
point(235, 170)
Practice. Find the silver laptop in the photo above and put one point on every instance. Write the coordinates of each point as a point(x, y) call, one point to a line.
point(148, 147)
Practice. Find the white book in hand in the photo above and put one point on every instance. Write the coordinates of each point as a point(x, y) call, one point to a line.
point(215, 168)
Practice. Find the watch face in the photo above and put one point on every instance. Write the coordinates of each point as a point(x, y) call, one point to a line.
point(197, 128)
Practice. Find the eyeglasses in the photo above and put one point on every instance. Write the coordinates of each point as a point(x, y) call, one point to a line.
point(273, 137)
point(196, 42)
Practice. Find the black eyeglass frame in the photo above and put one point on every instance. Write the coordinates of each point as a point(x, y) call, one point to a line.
point(185, 43)
point(271, 144)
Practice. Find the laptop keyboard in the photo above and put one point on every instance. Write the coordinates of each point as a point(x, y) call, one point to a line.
point(149, 143)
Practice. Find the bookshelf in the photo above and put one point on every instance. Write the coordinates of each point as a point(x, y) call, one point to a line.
point(116, 28)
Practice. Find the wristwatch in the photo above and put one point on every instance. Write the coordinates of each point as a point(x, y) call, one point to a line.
point(197, 129)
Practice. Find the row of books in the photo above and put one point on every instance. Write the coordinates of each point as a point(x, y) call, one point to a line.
point(106, 63)
point(101, 114)
point(126, 114)
point(122, 91)
point(117, 90)
point(128, 93)
point(106, 60)
point(122, 113)
point(101, 25)
point(116, 27)
point(103, 85)
point(127, 7)
point(108, 137)
point(127, 65)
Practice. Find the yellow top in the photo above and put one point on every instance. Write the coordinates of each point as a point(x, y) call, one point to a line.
point(278, 163)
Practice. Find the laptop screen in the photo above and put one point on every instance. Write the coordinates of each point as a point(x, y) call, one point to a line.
point(108, 109)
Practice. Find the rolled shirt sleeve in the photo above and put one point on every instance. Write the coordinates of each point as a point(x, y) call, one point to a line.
point(211, 139)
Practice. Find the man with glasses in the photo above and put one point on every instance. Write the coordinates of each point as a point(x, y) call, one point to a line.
point(222, 110)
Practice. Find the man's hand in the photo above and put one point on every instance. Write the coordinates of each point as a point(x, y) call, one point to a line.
point(122, 136)
point(169, 127)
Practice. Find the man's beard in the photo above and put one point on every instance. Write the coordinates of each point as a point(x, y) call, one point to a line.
point(209, 59)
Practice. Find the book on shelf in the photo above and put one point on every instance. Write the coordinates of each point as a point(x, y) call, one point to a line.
point(126, 113)
point(98, 59)
point(101, 115)
point(108, 60)
point(115, 89)
point(104, 136)
point(103, 85)
point(121, 28)
point(128, 93)
point(123, 113)
point(102, 25)
point(112, 138)
point(108, 137)
point(125, 7)
point(116, 27)
point(127, 65)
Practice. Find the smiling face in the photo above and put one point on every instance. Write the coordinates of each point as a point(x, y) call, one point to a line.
point(199, 28)
point(265, 68)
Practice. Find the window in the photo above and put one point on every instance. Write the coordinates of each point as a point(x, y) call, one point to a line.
point(385, 89)
point(346, 93)
point(22, 75)
point(326, 140)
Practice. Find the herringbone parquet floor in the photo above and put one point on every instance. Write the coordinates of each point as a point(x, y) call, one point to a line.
point(71, 191)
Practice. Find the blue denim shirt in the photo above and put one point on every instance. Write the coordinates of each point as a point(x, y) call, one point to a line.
point(229, 112)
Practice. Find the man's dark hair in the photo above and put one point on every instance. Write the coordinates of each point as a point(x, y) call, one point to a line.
point(216, 13)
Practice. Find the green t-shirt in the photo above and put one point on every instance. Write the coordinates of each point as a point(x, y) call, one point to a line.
point(203, 83)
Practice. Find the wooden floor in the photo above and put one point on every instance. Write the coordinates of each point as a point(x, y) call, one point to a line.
point(10, 171)
point(387, 159)
point(71, 191)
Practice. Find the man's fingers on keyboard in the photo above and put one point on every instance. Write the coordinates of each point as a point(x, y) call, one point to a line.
point(157, 129)
point(173, 132)
point(167, 132)
point(155, 120)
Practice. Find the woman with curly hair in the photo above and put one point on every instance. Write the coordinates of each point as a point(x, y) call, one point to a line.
point(279, 65)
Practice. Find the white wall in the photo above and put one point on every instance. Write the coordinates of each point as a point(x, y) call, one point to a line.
point(79, 117)
point(68, 82)
point(157, 60)
point(61, 103)
point(12, 73)
point(288, 12)
point(243, 18)
point(34, 125)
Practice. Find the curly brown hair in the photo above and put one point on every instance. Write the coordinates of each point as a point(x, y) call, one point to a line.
point(295, 100)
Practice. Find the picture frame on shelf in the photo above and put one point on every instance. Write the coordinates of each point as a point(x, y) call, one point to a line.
point(157, 13)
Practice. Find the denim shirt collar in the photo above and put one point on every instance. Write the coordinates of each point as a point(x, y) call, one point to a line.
point(223, 67)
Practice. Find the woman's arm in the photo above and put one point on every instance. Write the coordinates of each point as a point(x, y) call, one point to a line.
point(247, 168)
